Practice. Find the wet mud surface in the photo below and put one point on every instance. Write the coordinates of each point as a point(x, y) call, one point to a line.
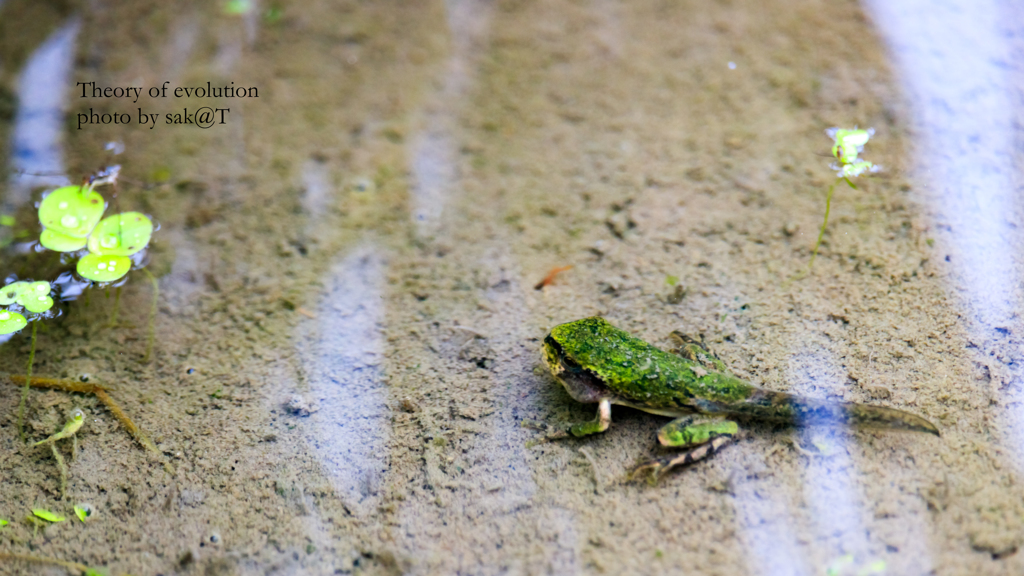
point(348, 331)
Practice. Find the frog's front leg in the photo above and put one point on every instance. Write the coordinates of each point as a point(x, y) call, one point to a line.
point(599, 424)
point(703, 436)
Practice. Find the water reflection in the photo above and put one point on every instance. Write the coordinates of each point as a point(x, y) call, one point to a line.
point(767, 532)
point(346, 391)
point(955, 62)
point(37, 154)
point(433, 151)
point(831, 489)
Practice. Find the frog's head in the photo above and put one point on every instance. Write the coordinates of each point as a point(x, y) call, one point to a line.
point(553, 356)
point(582, 384)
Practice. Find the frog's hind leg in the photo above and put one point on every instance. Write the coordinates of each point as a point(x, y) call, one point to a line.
point(599, 424)
point(700, 436)
point(697, 351)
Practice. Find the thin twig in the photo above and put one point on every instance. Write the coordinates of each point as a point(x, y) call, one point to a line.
point(66, 385)
point(80, 568)
point(125, 421)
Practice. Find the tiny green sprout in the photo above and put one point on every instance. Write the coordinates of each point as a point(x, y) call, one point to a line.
point(103, 268)
point(876, 567)
point(838, 564)
point(77, 419)
point(854, 169)
point(11, 322)
point(83, 511)
point(273, 15)
point(849, 143)
point(7, 220)
point(237, 7)
point(846, 147)
point(121, 234)
point(72, 211)
point(94, 572)
point(671, 280)
point(47, 515)
point(3, 522)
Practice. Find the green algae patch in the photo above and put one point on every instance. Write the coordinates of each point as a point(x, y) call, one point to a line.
point(103, 268)
point(72, 211)
point(121, 234)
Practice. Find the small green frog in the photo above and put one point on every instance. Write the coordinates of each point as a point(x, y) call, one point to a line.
point(598, 363)
point(69, 430)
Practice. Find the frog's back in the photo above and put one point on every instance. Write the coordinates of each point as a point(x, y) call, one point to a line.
point(639, 372)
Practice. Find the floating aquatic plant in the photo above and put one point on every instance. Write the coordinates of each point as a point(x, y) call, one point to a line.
point(33, 297)
point(846, 148)
point(11, 322)
point(121, 235)
point(69, 215)
point(103, 269)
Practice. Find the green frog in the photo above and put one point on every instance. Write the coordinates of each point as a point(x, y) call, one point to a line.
point(599, 363)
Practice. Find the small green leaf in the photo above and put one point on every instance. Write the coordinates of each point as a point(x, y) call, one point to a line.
point(35, 297)
point(103, 268)
point(3, 522)
point(121, 234)
point(9, 293)
point(60, 242)
point(237, 7)
point(83, 511)
point(671, 280)
point(11, 322)
point(47, 515)
point(72, 210)
point(94, 572)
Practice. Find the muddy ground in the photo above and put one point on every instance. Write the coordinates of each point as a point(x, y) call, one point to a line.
point(348, 329)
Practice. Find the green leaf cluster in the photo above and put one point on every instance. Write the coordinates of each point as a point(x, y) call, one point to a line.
point(71, 217)
point(846, 148)
point(33, 297)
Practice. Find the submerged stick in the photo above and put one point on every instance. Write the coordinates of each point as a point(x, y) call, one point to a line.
point(101, 393)
point(59, 384)
point(75, 566)
point(125, 421)
point(28, 382)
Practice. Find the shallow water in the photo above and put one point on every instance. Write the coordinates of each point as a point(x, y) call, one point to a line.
point(348, 333)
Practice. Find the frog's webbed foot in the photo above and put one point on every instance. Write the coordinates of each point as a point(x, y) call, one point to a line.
point(599, 424)
point(697, 351)
point(701, 436)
